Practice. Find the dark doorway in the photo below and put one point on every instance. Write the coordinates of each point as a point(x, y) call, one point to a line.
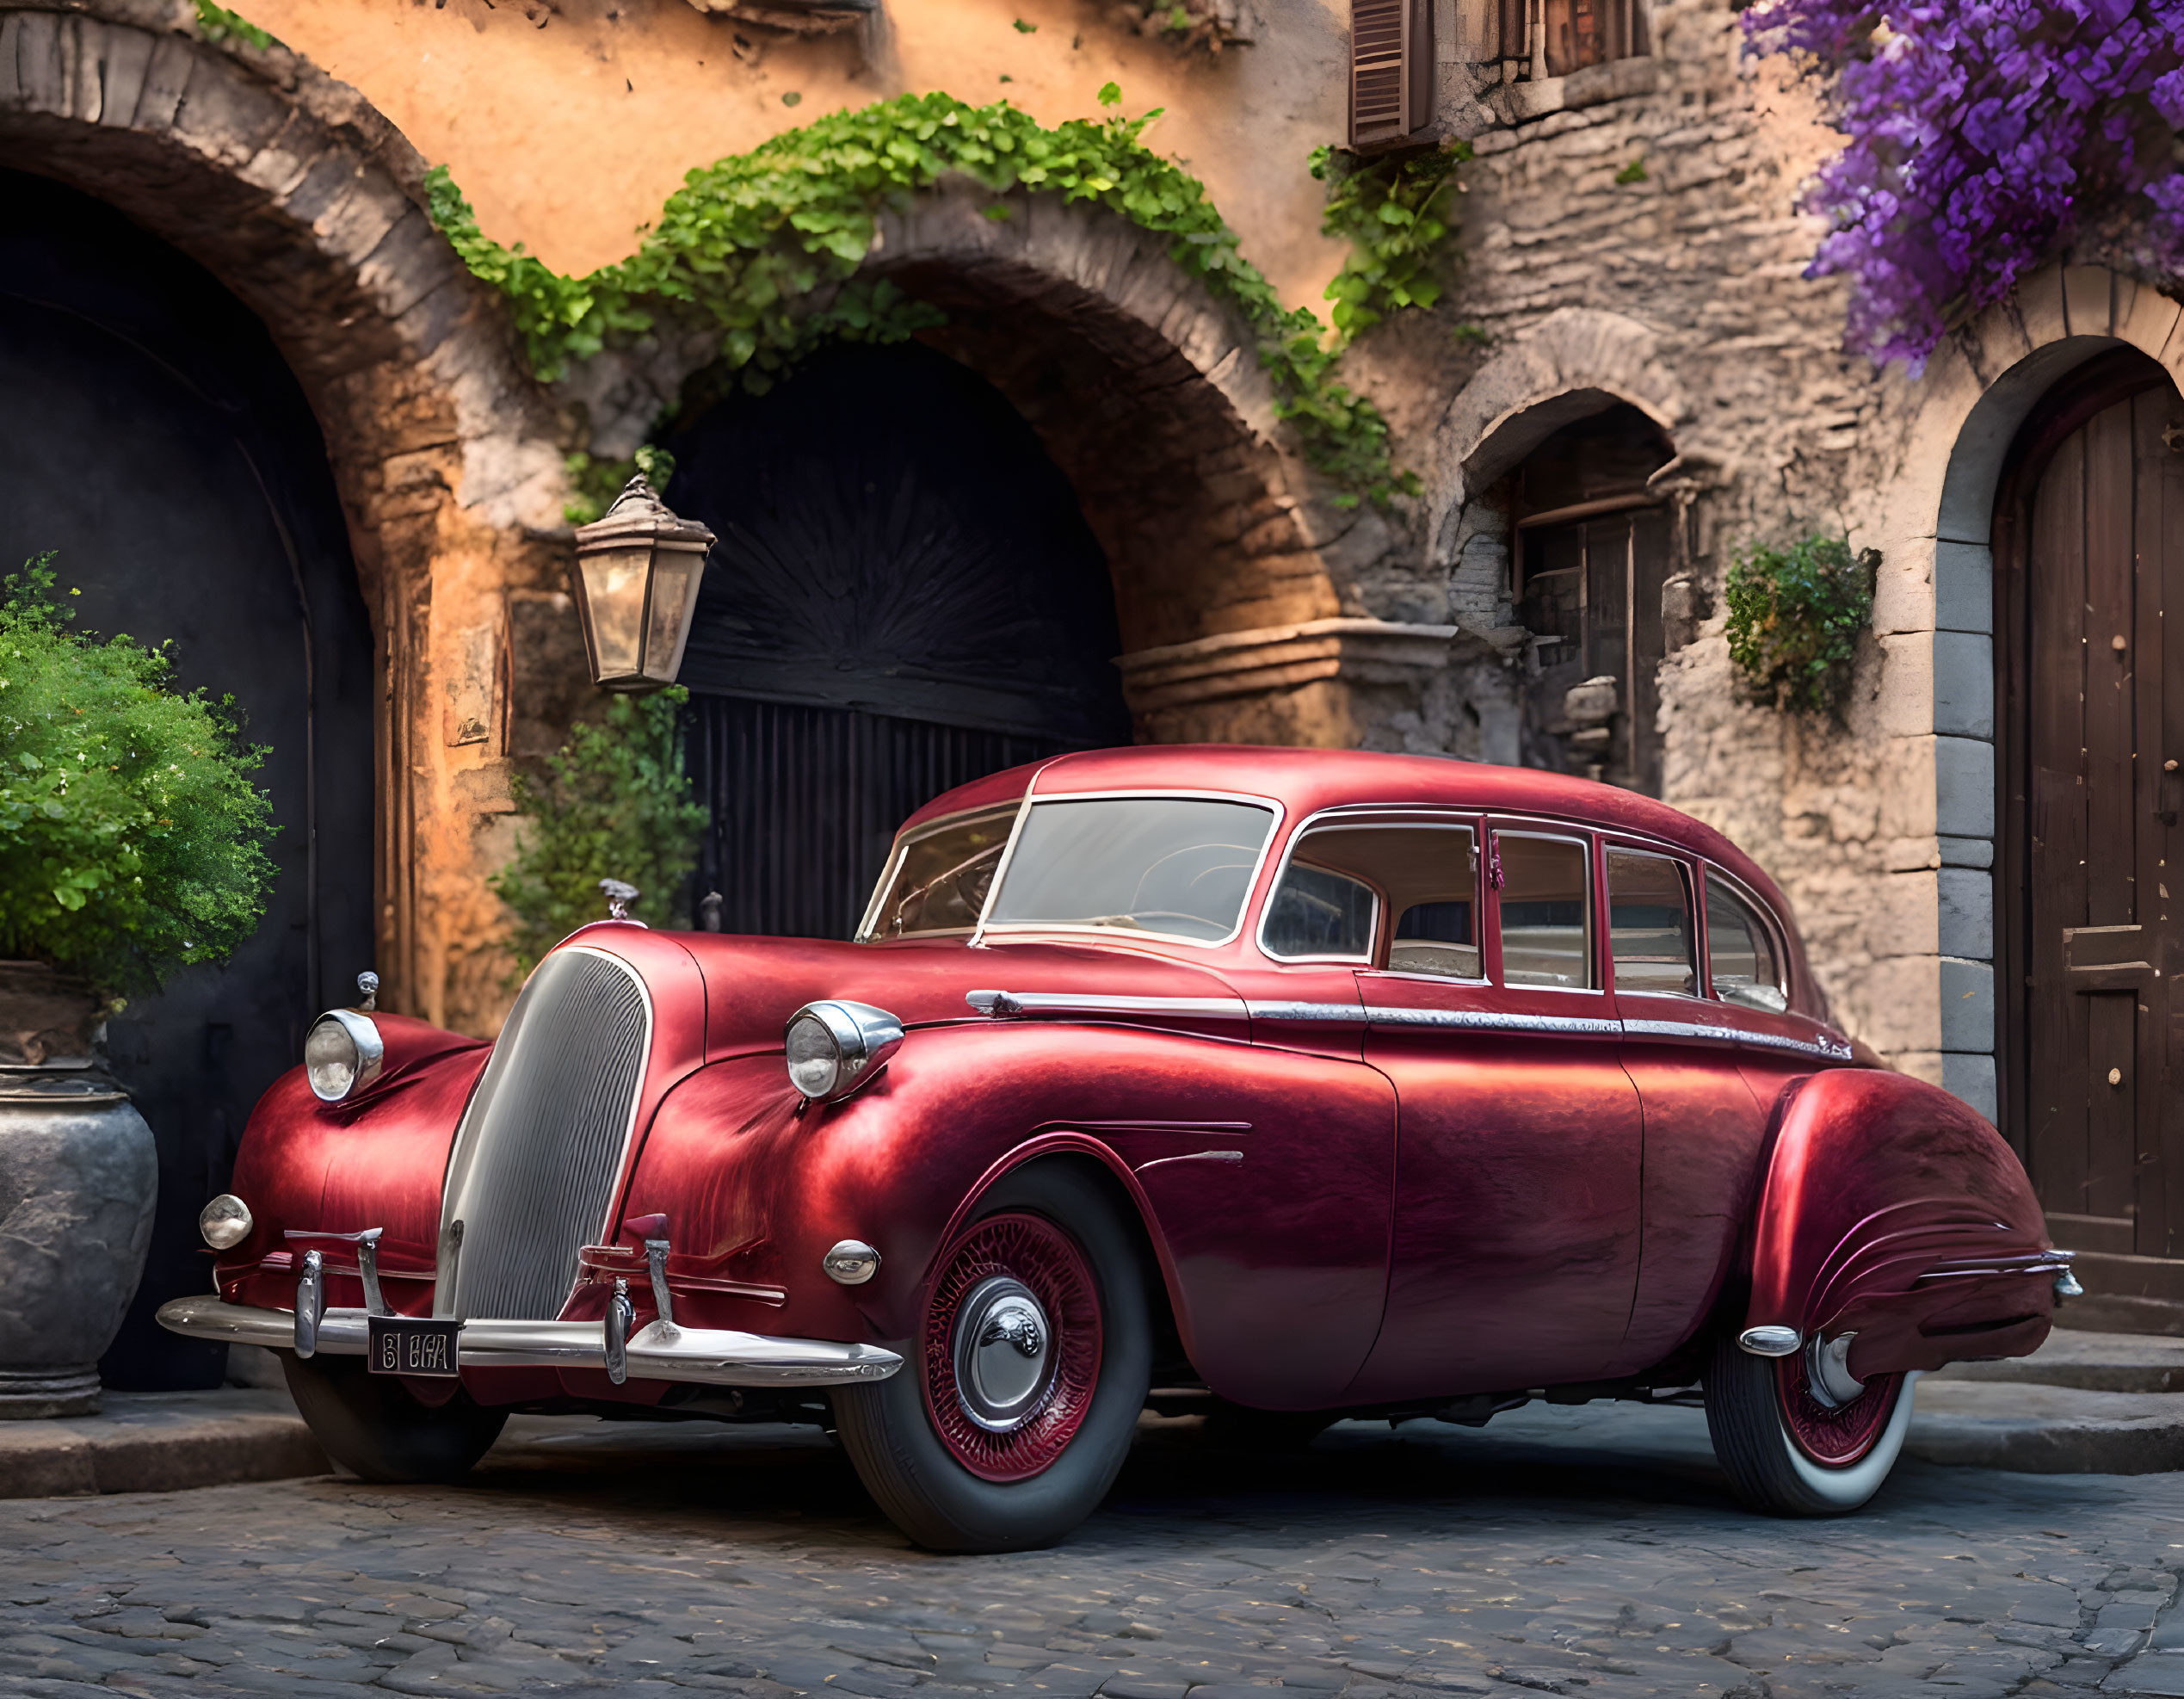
point(1594, 548)
point(154, 438)
point(2090, 557)
point(904, 598)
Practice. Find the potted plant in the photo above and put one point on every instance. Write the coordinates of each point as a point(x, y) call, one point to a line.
point(131, 845)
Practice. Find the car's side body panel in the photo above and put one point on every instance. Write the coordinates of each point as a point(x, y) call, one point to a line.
point(1893, 1210)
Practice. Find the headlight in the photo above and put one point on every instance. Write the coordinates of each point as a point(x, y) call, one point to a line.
point(226, 1222)
point(834, 1047)
point(342, 1054)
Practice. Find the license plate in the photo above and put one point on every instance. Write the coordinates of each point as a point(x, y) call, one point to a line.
point(401, 1344)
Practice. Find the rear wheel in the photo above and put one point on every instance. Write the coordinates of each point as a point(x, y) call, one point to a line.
point(373, 1427)
point(1789, 1451)
point(1007, 1425)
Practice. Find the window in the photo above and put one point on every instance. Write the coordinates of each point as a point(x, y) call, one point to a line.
point(938, 880)
point(1392, 70)
point(1648, 925)
point(1318, 912)
point(1552, 38)
point(1544, 939)
point(1741, 957)
point(1342, 878)
point(1178, 866)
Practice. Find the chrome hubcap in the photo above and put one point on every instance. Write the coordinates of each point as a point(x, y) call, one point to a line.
point(1827, 1364)
point(1004, 1355)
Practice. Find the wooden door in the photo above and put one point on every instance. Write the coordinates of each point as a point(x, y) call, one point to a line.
point(2090, 558)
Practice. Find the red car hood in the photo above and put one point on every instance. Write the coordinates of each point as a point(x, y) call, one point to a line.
point(753, 984)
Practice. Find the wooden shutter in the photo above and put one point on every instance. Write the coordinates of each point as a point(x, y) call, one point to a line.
point(1392, 70)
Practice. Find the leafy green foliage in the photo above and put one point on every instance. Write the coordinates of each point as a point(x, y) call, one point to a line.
point(1633, 172)
point(132, 840)
point(762, 248)
point(615, 804)
point(1794, 616)
point(1391, 209)
point(597, 482)
point(216, 23)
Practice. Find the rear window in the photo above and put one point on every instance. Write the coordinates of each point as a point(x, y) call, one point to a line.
point(1181, 867)
point(1648, 923)
point(1741, 955)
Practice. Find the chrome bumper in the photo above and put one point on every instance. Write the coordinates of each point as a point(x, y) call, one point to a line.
point(711, 1356)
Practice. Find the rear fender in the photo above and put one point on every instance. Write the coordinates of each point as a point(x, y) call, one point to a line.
point(1893, 1210)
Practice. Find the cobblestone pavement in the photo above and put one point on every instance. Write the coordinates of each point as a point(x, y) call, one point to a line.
point(1589, 1552)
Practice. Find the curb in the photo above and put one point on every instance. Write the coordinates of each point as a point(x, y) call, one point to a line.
point(159, 1443)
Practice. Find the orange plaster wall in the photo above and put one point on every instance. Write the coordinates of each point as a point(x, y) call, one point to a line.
point(568, 127)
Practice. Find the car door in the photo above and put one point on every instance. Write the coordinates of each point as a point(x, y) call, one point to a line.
point(1516, 1239)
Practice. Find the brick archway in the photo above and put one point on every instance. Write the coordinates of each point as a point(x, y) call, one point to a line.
point(305, 204)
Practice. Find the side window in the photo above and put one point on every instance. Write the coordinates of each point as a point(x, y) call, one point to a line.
point(1648, 923)
point(1319, 913)
point(1741, 958)
point(1544, 939)
point(1343, 879)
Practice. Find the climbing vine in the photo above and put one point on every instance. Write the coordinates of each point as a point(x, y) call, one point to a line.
point(762, 248)
point(1393, 210)
point(1794, 616)
point(217, 24)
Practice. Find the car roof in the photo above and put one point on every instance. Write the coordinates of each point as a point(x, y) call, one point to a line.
point(1305, 781)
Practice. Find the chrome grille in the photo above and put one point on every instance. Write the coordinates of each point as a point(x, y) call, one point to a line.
point(532, 1175)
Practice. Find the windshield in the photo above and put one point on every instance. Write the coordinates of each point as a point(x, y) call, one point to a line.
point(937, 880)
point(1179, 865)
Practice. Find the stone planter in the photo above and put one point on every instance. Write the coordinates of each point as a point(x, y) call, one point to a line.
point(78, 1178)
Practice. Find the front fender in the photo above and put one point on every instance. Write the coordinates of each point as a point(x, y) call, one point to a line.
point(1893, 1210)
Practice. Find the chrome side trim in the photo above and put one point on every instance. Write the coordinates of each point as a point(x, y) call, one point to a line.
point(1762, 1041)
point(712, 1356)
point(1194, 1156)
point(1000, 1004)
point(1352, 1012)
point(1481, 1020)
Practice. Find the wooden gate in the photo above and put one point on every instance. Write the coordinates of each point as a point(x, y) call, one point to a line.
point(2090, 557)
point(904, 598)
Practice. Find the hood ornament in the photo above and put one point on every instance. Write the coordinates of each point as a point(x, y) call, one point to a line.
point(621, 893)
point(367, 988)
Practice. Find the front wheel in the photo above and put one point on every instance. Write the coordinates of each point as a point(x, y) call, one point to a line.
point(1786, 1450)
point(373, 1426)
point(1009, 1420)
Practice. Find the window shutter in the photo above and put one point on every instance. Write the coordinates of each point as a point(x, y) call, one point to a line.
point(1392, 70)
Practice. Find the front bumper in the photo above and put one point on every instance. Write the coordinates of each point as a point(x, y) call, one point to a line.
point(657, 1351)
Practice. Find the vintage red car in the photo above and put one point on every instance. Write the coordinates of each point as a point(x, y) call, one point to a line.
point(1289, 1084)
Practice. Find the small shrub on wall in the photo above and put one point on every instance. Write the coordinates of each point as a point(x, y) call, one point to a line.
point(614, 803)
point(1794, 616)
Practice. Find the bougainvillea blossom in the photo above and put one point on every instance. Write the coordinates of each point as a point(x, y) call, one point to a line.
point(1980, 136)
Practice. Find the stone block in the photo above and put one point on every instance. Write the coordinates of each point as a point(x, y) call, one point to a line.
point(2041, 306)
point(1965, 897)
point(1964, 685)
point(1905, 703)
point(1964, 787)
point(1967, 1006)
point(1926, 1065)
point(2088, 300)
point(1966, 852)
point(1963, 586)
point(1903, 588)
point(1902, 1001)
point(1904, 916)
point(1904, 774)
point(2145, 318)
point(1971, 1080)
point(128, 58)
point(164, 79)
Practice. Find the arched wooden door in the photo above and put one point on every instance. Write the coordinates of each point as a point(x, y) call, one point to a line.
point(904, 598)
point(2089, 560)
point(152, 438)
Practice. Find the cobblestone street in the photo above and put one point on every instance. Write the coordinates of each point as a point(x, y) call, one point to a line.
point(1589, 1552)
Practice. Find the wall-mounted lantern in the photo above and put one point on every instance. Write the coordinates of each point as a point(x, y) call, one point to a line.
point(637, 570)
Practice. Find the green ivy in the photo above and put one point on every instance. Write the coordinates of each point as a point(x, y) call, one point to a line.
point(1391, 209)
point(614, 803)
point(131, 839)
point(762, 247)
point(597, 482)
point(1794, 616)
point(216, 23)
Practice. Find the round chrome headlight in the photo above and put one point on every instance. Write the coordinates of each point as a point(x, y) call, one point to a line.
point(342, 1054)
point(226, 1222)
point(833, 1048)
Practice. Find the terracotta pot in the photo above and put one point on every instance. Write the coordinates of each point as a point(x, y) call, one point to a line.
point(78, 1180)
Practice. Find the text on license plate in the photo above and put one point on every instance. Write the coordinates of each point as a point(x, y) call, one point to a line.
point(402, 1345)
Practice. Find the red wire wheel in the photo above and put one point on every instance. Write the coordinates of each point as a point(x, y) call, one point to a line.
point(1011, 1346)
point(1835, 1438)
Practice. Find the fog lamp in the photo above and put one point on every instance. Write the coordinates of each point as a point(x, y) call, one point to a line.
point(833, 1048)
point(637, 570)
point(342, 1054)
point(226, 1222)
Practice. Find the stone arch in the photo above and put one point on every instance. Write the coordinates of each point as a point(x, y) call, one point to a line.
point(308, 205)
point(1934, 616)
